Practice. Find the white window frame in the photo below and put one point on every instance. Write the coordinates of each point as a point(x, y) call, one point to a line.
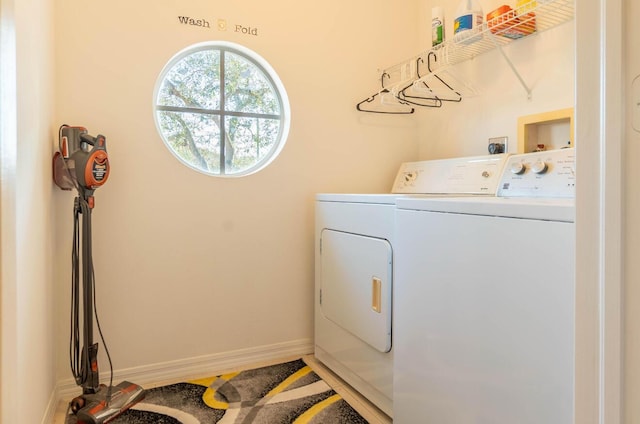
point(272, 77)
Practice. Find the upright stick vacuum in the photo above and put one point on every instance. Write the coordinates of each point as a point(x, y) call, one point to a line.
point(82, 163)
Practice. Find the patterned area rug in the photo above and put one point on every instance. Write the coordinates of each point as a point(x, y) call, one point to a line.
point(287, 393)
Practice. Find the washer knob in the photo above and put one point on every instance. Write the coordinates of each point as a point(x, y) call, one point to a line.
point(486, 174)
point(517, 168)
point(539, 167)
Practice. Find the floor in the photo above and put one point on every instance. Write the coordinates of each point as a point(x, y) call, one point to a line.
point(360, 404)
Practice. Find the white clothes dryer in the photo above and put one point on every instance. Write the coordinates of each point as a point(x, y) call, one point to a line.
point(354, 268)
point(484, 301)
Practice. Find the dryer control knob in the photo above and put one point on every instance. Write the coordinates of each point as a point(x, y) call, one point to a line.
point(539, 167)
point(517, 168)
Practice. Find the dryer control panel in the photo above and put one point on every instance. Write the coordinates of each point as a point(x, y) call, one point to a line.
point(465, 175)
point(540, 174)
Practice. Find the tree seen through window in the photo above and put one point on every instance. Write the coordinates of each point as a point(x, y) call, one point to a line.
point(219, 110)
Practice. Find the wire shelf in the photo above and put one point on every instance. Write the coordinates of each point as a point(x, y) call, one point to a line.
point(529, 19)
point(522, 22)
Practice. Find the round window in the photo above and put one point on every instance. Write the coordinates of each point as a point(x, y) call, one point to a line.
point(221, 109)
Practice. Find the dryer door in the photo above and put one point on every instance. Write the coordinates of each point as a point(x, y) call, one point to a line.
point(356, 280)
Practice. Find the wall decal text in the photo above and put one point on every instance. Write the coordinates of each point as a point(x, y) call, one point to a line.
point(246, 30)
point(187, 20)
point(220, 24)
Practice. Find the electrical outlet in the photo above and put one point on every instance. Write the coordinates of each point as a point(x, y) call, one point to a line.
point(498, 145)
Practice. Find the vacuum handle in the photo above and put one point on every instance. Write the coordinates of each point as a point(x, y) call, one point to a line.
point(98, 141)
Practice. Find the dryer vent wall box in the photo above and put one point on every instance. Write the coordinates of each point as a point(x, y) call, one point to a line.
point(546, 131)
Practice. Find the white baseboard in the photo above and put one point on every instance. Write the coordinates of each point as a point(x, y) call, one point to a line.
point(189, 368)
point(54, 400)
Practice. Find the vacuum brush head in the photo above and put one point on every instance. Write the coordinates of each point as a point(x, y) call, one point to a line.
point(99, 409)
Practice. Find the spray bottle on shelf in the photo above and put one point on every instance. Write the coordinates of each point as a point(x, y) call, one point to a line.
point(437, 26)
point(468, 22)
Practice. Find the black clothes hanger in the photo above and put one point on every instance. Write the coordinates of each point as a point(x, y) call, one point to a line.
point(458, 96)
point(402, 95)
point(384, 90)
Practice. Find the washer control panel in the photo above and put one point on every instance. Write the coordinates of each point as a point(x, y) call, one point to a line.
point(540, 174)
point(466, 175)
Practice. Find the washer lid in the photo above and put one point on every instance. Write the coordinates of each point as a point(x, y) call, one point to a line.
point(561, 209)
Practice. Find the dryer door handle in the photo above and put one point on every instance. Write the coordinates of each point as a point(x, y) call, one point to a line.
point(376, 294)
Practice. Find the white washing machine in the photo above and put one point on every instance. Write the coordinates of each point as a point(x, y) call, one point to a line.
point(484, 301)
point(354, 263)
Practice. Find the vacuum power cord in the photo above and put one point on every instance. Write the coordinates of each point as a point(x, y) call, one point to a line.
point(74, 342)
point(80, 358)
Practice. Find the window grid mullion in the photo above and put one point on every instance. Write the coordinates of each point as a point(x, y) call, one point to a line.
point(223, 138)
point(181, 109)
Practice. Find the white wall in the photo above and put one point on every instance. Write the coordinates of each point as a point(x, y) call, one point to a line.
point(189, 265)
point(29, 383)
point(8, 163)
point(35, 223)
point(631, 176)
point(545, 62)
